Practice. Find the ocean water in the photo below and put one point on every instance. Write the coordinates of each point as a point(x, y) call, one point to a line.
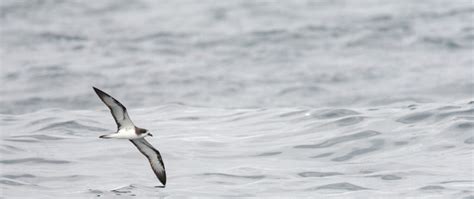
point(265, 99)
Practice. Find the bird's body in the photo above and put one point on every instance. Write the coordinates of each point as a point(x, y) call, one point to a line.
point(127, 130)
point(127, 133)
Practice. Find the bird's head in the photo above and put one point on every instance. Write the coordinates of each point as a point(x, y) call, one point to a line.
point(148, 133)
point(143, 132)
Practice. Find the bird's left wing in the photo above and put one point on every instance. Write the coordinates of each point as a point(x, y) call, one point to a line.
point(153, 156)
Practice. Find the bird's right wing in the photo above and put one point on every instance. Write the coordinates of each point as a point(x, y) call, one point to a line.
point(119, 112)
point(153, 156)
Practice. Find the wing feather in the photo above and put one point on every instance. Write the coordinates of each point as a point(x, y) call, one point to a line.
point(153, 156)
point(119, 112)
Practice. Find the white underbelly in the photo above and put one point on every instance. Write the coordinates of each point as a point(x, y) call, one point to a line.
point(127, 134)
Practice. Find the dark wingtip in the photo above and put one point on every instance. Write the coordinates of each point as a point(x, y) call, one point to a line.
point(163, 181)
point(162, 178)
point(100, 92)
point(97, 90)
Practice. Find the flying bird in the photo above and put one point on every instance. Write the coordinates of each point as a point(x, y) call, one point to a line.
point(127, 130)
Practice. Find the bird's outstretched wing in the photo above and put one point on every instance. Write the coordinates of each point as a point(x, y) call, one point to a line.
point(119, 112)
point(153, 156)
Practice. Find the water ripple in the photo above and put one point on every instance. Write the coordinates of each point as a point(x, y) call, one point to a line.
point(340, 186)
point(376, 145)
point(341, 139)
point(255, 177)
point(34, 160)
point(318, 174)
point(334, 113)
point(70, 125)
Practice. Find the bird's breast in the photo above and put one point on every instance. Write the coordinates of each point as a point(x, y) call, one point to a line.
point(127, 133)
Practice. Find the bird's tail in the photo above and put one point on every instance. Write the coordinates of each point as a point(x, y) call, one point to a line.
point(105, 136)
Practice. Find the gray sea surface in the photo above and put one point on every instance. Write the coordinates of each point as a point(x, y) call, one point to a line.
point(264, 99)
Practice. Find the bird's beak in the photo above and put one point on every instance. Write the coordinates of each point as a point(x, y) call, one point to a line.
point(150, 134)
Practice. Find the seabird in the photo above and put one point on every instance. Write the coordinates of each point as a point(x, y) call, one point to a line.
point(127, 130)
